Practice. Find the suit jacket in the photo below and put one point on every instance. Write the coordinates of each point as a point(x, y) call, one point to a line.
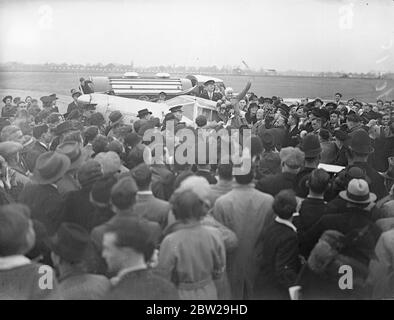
point(279, 263)
point(45, 204)
point(142, 285)
point(152, 209)
point(354, 219)
point(83, 286)
point(311, 211)
point(76, 208)
point(274, 183)
point(328, 154)
point(30, 154)
point(215, 96)
point(377, 181)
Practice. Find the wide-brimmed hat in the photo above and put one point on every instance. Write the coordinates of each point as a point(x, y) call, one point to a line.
point(360, 142)
point(50, 167)
point(311, 146)
point(73, 151)
point(7, 97)
point(143, 113)
point(70, 242)
point(358, 192)
point(8, 148)
point(89, 173)
point(294, 158)
point(53, 97)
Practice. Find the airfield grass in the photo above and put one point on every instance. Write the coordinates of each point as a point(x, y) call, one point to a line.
point(366, 90)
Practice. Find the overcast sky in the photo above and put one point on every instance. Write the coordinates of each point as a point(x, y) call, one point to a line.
point(310, 35)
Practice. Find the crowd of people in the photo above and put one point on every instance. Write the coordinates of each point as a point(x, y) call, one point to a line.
point(79, 198)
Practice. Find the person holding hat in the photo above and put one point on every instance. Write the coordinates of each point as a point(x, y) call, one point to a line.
point(73, 151)
point(311, 147)
point(355, 223)
point(76, 206)
point(209, 92)
point(144, 114)
point(69, 251)
point(42, 196)
point(74, 105)
point(292, 160)
point(360, 146)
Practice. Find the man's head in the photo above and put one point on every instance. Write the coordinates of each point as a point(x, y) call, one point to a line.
point(334, 117)
point(338, 97)
point(7, 100)
point(379, 103)
point(225, 171)
point(367, 108)
point(304, 101)
point(42, 133)
point(285, 204)
point(11, 133)
point(123, 194)
point(324, 135)
point(253, 107)
point(318, 181)
point(302, 112)
point(142, 175)
point(353, 120)
point(17, 235)
point(210, 85)
point(292, 159)
point(128, 242)
point(386, 120)
point(260, 114)
point(316, 124)
point(177, 111)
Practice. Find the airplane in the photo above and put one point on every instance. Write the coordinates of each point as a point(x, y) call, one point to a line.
point(129, 107)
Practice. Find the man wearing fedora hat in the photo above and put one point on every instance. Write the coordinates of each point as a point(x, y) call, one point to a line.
point(360, 147)
point(355, 222)
point(73, 151)
point(42, 196)
point(70, 249)
point(144, 114)
point(311, 147)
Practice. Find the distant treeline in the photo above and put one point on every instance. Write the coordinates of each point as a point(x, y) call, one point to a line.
point(213, 70)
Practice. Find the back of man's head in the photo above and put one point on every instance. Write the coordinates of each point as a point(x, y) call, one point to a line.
point(142, 175)
point(14, 227)
point(245, 178)
point(225, 171)
point(123, 193)
point(318, 181)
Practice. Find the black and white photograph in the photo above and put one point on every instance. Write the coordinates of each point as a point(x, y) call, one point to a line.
point(224, 151)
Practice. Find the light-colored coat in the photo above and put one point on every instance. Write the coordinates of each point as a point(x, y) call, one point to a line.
point(244, 211)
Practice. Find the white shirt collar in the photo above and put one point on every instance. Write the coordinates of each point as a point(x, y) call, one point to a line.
point(123, 272)
point(11, 262)
point(286, 222)
point(146, 192)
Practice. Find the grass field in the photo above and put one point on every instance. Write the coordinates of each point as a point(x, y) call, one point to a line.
point(366, 90)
